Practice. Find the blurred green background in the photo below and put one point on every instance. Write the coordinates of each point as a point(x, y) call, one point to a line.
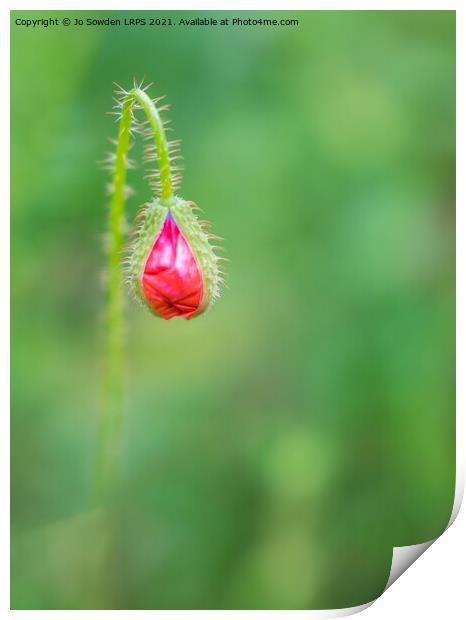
point(277, 448)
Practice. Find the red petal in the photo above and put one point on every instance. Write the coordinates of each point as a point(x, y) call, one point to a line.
point(171, 280)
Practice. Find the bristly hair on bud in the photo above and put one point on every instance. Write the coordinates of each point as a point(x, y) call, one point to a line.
point(171, 264)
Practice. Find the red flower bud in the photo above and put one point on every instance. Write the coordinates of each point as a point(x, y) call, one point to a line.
point(171, 280)
point(173, 268)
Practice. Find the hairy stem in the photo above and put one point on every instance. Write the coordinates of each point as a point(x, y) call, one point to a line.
point(160, 141)
point(112, 416)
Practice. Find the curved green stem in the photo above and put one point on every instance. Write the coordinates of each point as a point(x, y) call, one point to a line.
point(160, 141)
point(111, 420)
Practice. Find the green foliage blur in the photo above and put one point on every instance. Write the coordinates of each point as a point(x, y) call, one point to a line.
point(276, 449)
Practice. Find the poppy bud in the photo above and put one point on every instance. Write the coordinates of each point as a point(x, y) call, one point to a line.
point(173, 267)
